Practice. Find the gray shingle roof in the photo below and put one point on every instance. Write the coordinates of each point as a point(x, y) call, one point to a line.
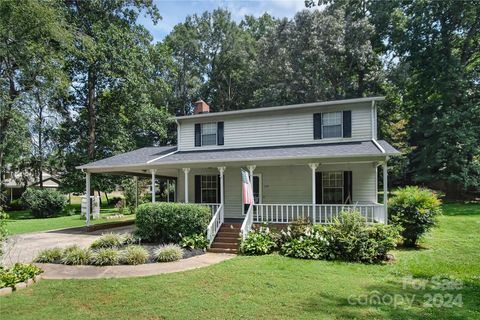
point(164, 155)
point(139, 156)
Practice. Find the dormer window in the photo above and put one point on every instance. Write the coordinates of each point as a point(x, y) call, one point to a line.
point(332, 125)
point(209, 134)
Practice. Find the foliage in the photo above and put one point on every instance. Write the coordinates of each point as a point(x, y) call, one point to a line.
point(74, 255)
point(108, 240)
point(307, 243)
point(168, 253)
point(105, 257)
point(134, 255)
point(20, 272)
point(168, 222)
point(3, 229)
point(53, 255)
point(415, 210)
point(44, 202)
point(285, 282)
point(130, 193)
point(195, 241)
point(259, 241)
point(351, 239)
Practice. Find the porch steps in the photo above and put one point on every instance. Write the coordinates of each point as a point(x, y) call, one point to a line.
point(227, 239)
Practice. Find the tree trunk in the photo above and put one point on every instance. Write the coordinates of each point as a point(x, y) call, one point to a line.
point(40, 146)
point(91, 112)
point(99, 197)
point(106, 197)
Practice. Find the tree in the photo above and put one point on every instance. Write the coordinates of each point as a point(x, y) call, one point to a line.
point(114, 106)
point(33, 37)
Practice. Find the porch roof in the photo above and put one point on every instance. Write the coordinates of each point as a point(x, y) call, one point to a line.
point(155, 156)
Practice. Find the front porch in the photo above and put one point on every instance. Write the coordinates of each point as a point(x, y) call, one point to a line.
point(284, 191)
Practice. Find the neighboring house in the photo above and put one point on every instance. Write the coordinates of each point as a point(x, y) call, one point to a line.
point(307, 160)
point(15, 183)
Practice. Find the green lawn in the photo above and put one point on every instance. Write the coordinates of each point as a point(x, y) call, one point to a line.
point(23, 221)
point(275, 287)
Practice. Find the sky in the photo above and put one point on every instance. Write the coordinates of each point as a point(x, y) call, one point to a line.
point(175, 11)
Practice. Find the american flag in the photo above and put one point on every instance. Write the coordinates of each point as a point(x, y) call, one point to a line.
point(247, 188)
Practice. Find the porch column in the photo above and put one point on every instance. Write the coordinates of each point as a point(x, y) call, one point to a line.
point(385, 189)
point(153, 171)
point(87, 197)
point(251, 168)
point(221, 170)
point(313, 167)
point(186, 171)
point(136, 191)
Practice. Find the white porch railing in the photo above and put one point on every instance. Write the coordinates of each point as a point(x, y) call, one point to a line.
point(317, 214)
point(215, 224)
point(247, 222)
point(213, 207)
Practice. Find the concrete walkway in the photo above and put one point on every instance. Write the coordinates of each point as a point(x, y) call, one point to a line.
point(59, 271)
point(25, 247)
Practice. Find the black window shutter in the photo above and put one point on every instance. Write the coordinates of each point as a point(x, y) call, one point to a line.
point(347, 187)
point(218, 188)
point(347, 124)
point(198, 135)
point(317, 126)
point(198, 189)
point(220, 133)
point(318, 188)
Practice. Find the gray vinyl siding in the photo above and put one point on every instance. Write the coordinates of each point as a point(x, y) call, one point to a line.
point(277, 129)
point(283, 184)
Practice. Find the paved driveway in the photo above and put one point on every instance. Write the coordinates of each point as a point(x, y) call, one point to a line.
point(25, 247)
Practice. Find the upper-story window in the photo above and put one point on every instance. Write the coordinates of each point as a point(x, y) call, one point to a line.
point(209, 134)
point(332, 125)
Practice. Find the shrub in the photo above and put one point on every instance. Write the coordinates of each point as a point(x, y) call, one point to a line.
point(195, 241)
point(52, 255)
point(25, 271)
point(415, 210)
point(75, 255)
point(16, 205)
point(108, 240)
point(114, 200)
point(44, 202)
point(168, 253)
point(259, 242)
point(351, 239)
point(105, 257)
point(3, 229)
point(168, 222)
point(134, 255)
point(307, 244)
point(20, 272)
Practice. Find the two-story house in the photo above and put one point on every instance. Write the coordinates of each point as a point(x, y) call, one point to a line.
point(309, 160)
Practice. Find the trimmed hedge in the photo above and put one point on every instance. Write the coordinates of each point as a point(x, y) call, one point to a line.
point(169, 222)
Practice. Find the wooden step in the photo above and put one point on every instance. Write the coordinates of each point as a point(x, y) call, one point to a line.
point(225, 228)
point(226, 245)
point(227, 237)
point(223, 250)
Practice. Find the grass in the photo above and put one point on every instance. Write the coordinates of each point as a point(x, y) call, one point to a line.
point(276, 287)
point(23, 221)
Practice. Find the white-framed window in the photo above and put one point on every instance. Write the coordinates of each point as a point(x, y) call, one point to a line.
point(209, 134)
point(332, 184)
point(209, 188)
point(332, 125)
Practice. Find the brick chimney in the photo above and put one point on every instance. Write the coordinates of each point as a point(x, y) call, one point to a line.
point(201, 107)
